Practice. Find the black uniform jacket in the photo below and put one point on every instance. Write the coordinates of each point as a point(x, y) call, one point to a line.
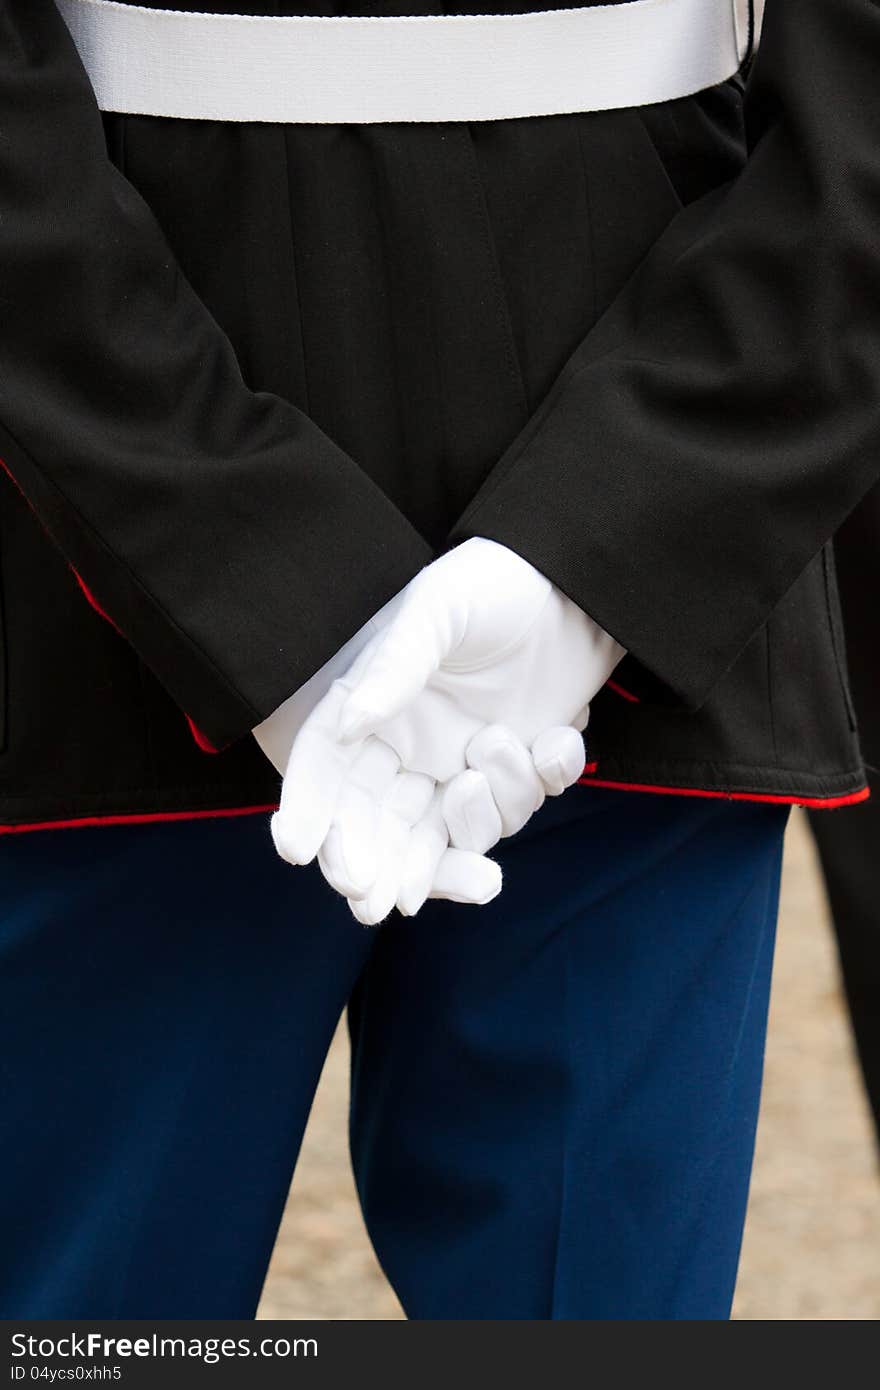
point(253, 377)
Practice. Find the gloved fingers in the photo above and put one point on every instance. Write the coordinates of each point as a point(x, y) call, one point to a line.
point(406, 802)
point(378, 903)
point(507, 765)
point(463, 877)
point(392, 837)
point(558, 755)
point(349, 856)
point(316, 771)
point(409, 796)
point(351, 879)
point(408, 653)
point(428, 842)
point(374, 769)
point(417, 863)
point(472, 818)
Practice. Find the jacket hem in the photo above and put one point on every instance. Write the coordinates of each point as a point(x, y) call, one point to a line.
point(135, 818)
point(813, 800)
point(849, 791)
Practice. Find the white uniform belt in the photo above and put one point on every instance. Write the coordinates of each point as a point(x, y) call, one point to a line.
point(311, 69)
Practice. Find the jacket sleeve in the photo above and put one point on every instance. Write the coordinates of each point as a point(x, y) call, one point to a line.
point(230, 541)
point(723, 417)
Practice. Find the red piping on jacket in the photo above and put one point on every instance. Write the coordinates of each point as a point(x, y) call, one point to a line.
point(623, 692)
point(90, 598)
point(201, 739)
point(814, 803)
point(138, 818)
point(151, 817)
point(75, 572)
point(15, 483)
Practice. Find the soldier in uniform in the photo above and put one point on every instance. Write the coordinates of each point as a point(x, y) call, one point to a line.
point(415, 393)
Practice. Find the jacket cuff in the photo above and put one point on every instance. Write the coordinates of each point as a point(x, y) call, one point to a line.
point(276, 733)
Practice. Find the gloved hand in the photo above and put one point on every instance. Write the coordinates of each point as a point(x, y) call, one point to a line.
point(388, 842)
point(478, 635)
point(378, 829)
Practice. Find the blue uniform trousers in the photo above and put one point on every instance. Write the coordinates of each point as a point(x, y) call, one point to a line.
point(553, 1097)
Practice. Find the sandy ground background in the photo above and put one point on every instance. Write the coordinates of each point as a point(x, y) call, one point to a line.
point(812, 1244)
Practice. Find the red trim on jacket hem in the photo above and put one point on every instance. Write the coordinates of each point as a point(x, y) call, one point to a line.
point(152, 817)
point(623, 692)
point(816, 803)
point(138, 818)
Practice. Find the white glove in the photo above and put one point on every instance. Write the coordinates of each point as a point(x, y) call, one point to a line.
point(481, 637)
point(479, 634)
point(388, 844)
point(379, 828)
point(369, 828)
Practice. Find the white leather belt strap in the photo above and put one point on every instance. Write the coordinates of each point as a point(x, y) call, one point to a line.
point(409, 68)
